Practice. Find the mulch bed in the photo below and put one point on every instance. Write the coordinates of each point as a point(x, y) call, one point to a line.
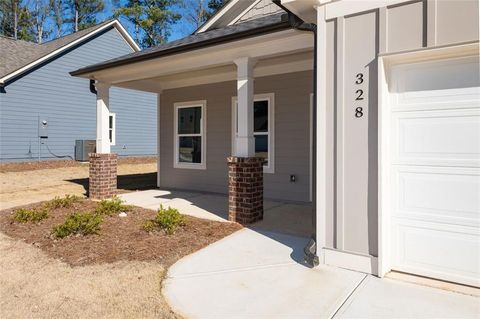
point(118, 239)
point(34, 165)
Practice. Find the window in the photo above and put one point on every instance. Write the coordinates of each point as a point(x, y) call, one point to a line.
point(189, 132)
point(263, 128)
point(111, 128)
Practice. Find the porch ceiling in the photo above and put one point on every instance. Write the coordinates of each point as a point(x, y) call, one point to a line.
point(280, 52)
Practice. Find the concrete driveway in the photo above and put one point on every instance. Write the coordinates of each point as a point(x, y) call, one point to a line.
point(259, 274)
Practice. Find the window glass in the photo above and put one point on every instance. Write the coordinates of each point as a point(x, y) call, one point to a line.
point(261, 147)
point(189, 120)
point(190, 149)
point(260, 111)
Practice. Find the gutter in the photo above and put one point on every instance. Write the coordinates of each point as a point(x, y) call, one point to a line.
point(311, 256)
point(283, 25)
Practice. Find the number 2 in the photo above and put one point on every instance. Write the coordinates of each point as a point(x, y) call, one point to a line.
point(359, 97)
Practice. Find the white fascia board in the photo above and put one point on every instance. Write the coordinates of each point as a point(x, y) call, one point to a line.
point(216, 17)
point(114, 23)
point(244, 12)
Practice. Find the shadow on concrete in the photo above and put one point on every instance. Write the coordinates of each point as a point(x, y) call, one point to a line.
point(131, 182)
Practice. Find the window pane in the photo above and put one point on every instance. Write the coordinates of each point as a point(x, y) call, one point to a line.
point(260, 111)
point(189, 120)
point(190, 149)
point(261, 147)
point(110, 135)
point(110, 121)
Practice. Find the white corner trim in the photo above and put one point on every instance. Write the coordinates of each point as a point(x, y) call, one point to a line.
point(203, 134)
point(363, 263)
point(244, 12)
point(216, 17)
point(159, 97)
point(114, 23)
point(270, 169)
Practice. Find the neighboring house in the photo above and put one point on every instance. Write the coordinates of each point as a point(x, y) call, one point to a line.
point(36, 86)
point(395, 175)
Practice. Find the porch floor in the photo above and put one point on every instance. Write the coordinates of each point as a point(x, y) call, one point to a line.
point(284, 217)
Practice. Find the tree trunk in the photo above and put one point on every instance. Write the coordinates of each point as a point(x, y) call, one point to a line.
point(76, 20)
point(15, 20)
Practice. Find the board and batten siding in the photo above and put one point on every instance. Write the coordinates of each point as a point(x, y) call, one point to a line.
point(70, 108)
point(353, 45)
point(292, 136)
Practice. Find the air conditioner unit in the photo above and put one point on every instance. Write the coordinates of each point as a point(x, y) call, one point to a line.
point(82, 148)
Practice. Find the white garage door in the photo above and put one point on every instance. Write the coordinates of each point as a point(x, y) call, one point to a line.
point(435, 169)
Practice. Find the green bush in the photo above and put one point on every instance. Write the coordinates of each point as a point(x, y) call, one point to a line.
point(78, 223)
point(167, 219)
point(111, 206)
point(23, 215)
point(63, 202)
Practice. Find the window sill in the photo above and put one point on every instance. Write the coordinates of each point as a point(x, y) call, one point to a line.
point(189, 166)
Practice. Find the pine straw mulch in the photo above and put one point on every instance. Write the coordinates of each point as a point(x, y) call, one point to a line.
point(49, 164)
point(119, 238)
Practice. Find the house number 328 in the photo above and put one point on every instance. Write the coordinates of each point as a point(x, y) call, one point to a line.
point(359, 95)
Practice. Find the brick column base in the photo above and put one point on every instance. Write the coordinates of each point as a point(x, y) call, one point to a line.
point(245, 189)
point(102, 182)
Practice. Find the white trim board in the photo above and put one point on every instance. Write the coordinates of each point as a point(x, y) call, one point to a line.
point(203, 135)
point(114, 23)
point(347, 260)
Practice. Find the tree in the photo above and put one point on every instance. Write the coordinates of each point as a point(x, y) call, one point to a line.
point(214, 6)
point(38, 18)
point(57, 11)
point(152, 19)
point(83, 13)
point(196, 12)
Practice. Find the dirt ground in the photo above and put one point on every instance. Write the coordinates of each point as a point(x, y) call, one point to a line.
point(119, 238)
point(37, 282)
point(22, 186)
point(34, 285)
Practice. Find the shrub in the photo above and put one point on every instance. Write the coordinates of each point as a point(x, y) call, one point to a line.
point(23, 215)
point(111, 206)
point(78, 223)
point(167, 219)
point(63, 202)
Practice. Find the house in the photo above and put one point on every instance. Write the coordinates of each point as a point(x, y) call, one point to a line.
point(39, 98)
point(371, 109)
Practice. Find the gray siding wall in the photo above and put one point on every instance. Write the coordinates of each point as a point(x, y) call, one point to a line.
point(292, 136)
point(354, 43)
point(50, 92)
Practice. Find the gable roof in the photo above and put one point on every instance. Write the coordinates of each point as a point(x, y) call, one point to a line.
point(18, 56)
point(252, 28)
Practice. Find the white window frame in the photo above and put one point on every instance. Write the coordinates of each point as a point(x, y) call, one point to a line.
point(203, 135)
point(270, 97)
point(113, 128)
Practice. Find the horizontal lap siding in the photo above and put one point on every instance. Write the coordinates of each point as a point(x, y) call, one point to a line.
point(49, 91)
point(292, 102)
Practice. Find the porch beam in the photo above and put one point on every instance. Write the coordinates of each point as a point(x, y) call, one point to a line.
point(244, 139)
point(103, 113)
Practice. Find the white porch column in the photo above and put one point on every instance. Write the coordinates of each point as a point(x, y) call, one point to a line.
point(244, 140)
point(103, 113)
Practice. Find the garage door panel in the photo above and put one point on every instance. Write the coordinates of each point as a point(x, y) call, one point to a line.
point(437, 138)
point(441, 195)
point(448, 253)
point(434, 165)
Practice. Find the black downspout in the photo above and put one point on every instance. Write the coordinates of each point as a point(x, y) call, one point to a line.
point(311, 256)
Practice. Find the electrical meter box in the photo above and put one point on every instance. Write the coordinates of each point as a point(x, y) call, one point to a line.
point(43, 127)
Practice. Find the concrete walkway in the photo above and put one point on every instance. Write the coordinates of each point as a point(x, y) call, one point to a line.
point(259, 274)
point(287, 217)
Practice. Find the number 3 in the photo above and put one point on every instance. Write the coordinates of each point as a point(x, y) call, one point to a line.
point(359, 78)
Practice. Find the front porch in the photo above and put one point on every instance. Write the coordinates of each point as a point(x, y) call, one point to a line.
point(279, 216)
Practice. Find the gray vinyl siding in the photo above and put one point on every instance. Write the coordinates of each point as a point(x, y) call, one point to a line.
point(292, 136)
point(354, 43)
point(50, 92)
